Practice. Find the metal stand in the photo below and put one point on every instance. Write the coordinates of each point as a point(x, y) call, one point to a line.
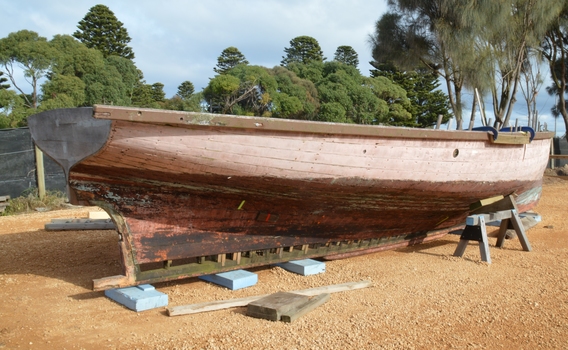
point(475, 229)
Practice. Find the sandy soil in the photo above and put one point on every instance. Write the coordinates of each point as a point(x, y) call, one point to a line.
point(422, 297)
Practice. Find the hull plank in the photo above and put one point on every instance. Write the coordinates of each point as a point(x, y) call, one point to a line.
point(188, 192)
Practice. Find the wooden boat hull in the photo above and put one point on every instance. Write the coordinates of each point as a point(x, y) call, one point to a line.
point(187, 188)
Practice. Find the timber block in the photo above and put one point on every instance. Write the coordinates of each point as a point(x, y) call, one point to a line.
point(138, 298)
point(304, 267)
point(98, 215)
point(272, 307)
point(233, 280)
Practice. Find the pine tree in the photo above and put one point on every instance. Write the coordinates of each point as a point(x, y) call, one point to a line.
point(186, 90)
point(303, 49)
point(101, 30)
point(230, 58)
point(347, 55)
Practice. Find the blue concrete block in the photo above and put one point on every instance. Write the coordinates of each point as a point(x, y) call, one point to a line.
point(138, 298)
point(233, 279)
point(304, 267)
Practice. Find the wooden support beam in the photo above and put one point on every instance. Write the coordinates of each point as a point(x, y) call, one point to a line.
point(225, 304)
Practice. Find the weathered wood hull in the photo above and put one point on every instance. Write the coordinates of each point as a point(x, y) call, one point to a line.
point(184, 186)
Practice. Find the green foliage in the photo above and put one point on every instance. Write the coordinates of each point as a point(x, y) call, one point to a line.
point(295, 98)
point(158, 93)
point(30, 201)
point(191, 104)
point(62, 91)
point(303, 49)
point(471, 44)
point(347, 55)
point(185, 90)
point(31, 53)
point(230, 58)
point(421, 87)
point(101, 30)
point(3, 81)
point(244, 89)
point(83, 77)
point(13, 112)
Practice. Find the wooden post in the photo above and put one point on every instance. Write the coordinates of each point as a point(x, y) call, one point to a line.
point(439, 122)
point(40, 172)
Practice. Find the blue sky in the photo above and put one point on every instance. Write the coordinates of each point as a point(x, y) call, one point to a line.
point(180, 40)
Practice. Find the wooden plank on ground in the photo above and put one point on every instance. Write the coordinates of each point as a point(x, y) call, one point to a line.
point(300, 311)
point(272, 307)
point(226, 304)
point(80, 224)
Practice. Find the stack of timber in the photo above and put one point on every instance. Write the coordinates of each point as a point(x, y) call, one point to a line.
point(3, 203)
point(196, 193)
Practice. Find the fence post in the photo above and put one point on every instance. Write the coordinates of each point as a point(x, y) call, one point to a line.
point(40, 172)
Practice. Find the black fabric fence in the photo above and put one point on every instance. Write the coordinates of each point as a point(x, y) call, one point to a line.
point(18, 167)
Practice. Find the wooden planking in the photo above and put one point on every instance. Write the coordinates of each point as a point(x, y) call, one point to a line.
point(225, 304)
point(299, 311)
point(273, 306)
point(3, 203)
point(329, 164)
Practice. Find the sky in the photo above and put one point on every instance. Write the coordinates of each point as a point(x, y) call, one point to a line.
point(179, 40)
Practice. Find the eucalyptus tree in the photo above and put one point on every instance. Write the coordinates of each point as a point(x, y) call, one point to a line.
point(348, 55)
point(26, 51)
point(243, 90)
point(507, 31)
point(101, 30)
point(416, 34)
point(471, 44)
point(303, 49)
point(555, 50)
point(229, 58)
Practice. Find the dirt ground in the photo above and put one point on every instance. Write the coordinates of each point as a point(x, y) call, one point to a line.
point(422, 297)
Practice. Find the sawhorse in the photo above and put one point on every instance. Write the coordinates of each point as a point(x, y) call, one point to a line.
point(475, 230)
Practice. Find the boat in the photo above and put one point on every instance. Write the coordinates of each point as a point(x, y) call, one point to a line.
point(196, 193)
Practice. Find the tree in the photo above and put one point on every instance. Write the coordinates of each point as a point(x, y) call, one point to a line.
point(303, 49)
point(3, 81)
point(555, 51)
point(243, 90)
point(295, 98)
point(81, 76)
point(407, 37)
point(230, 58)
point(33, 55)
point(508, 36)
point(421, 86)
point(185, 90)
point(347, 55)
point(101, 30)
point(13, 111)
point(158, 93)
point(481, 44)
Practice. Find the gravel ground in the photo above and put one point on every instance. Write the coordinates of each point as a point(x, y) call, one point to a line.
point(422, 297)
